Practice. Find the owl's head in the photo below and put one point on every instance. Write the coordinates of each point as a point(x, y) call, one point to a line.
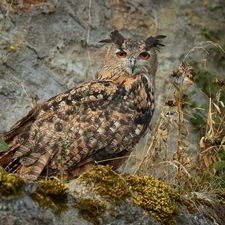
point(134, 57)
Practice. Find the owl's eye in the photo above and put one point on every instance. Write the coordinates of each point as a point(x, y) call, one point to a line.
point(144, 55)
point(121, 54)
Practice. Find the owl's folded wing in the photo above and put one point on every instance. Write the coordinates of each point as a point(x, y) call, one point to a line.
point(86, 124)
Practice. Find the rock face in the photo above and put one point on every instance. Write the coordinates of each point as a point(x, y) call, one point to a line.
point(47, 47)
point(52, 203)
point(26, 211)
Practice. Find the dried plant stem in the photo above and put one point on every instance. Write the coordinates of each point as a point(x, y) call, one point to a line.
point(178, 152)
point(179, 130)
point(197, 47)
point(146, 155)
point(154, 138)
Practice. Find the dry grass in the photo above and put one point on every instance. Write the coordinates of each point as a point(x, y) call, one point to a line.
point(170, 159)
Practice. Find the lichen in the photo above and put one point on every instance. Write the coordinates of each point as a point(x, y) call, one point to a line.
point(11, 185)
point(155, 197)
point(51, 194)
point(91, 210)
point(109, 184)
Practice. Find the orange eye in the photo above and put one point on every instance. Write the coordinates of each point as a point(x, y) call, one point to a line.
point(121, 54)
point(144, 55)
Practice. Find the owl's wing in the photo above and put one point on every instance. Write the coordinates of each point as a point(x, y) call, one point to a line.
point(91, 122)
point(21, 124)
point(12, 136)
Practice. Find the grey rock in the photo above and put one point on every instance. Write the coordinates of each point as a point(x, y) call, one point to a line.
point(55, 44)
point(25, 210)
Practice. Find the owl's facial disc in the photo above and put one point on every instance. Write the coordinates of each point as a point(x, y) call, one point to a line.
point(123, 56)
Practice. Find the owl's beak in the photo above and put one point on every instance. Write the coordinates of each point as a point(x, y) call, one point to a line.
point(133, 64)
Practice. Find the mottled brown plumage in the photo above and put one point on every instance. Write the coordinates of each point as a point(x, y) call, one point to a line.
point(100, 121)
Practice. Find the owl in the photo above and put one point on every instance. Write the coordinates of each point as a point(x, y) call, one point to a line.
point(98, 122)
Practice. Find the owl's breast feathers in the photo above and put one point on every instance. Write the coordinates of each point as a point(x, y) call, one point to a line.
point(98, 121)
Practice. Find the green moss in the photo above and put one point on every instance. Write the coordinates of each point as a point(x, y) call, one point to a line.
point(109, 184)
point(151, 194)
point(155, 197)
point(51, 194)
point(91, 210)
point(11, 185)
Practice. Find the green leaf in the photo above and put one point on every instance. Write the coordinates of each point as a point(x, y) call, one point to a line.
point(198, 120)
point(3, 146)
point(219, 165)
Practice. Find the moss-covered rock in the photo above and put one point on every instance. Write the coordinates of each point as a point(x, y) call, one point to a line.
point(51, 194)
point(91, 210)
point(155, 197)
point(151, 194)
point(109, 184)
point(11, 184)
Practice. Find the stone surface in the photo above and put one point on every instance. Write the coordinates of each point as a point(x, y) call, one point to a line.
point(47, 47)
point(25, 210)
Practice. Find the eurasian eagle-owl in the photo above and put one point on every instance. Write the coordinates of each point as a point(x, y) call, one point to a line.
point(100, 121)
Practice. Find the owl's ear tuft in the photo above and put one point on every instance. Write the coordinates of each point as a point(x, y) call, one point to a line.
point(154, 42)
point(116, 38)
point(106, 41)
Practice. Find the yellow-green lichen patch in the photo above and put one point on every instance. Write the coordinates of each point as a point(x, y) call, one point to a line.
point(155, 197)
point(11, 185)
point(91, 210)
point(109, 184)
point(51, 194)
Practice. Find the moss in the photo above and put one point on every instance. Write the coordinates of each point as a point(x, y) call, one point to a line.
point(151, 194)
point(109, 184)
point(11, 185)
point(155, 197)
point(91, 210)
point(51, 194)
